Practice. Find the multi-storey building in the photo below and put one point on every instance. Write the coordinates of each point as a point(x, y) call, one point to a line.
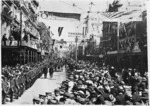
point(125, 46)
point(20, 35)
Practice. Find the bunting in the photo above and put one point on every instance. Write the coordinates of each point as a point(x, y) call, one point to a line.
point(60, 30)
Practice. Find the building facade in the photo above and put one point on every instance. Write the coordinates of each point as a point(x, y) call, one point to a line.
point(125, 46)
point(20, 35)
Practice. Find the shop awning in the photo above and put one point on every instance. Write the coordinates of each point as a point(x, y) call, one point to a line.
point(112, 52)
point(105, 39)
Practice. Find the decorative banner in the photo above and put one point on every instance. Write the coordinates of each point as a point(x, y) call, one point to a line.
point(59, 15)
point(60, 30)
point(84, 31)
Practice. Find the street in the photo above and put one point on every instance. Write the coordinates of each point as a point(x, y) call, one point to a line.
point(41, 86)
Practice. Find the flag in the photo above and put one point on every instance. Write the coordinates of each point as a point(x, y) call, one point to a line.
point(60, 30)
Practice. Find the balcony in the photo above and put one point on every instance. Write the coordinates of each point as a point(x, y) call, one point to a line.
point(29, 44)
point(23, 43)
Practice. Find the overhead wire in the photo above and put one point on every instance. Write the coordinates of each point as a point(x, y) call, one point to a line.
point(82, 12)
point(71, 5)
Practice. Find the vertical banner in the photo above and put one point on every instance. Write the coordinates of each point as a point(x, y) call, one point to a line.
point(60, 30)
point(84, 31)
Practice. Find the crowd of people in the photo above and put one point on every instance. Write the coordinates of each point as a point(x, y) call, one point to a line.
point(87, 83)
point(15, 80)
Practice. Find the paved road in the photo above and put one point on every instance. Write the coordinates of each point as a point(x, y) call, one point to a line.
point(41, 86)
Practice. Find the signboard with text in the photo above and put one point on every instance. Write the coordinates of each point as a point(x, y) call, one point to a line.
point(75, 34)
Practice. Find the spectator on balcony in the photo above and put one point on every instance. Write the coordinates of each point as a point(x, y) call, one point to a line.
point(11, 38)
point(18, 37)
point(16, 34)
point(25, 36)
point(4, 39)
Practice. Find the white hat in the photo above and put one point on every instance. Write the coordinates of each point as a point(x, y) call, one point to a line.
point(112, 67)
point(71, 84)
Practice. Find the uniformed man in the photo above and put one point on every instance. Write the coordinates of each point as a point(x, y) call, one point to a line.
point(51, 71)
point(45, 71)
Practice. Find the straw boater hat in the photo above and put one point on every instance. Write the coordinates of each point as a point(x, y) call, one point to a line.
point(112, 98)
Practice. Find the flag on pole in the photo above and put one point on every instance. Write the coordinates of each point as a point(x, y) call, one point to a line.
point(60, 30)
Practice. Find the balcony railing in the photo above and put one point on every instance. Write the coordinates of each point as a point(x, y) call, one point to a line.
point(23, 43)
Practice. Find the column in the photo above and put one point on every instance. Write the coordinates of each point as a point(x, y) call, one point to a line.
point(142, 65)
point(38, 57)
point(20, 57)
point(130, 57)
point(24, 56)
point(34, 56)
point(28, 56)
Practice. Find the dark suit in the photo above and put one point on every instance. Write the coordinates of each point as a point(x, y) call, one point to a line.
point(100, 100)
point(136, 98)
point(120, 99)
point(45, 71)
point(51, 71)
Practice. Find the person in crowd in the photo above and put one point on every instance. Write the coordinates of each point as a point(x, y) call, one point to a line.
point(51, 71)
point(11, 38)
point(4, 39)
point(45, 71)
point(25, 36)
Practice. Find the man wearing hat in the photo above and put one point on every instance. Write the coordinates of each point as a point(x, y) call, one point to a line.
point(100, 99)
point(36, 101)
point(80, 97)
point(120, 98)
point(45, 71)
point(51, 71)
point(136, 99)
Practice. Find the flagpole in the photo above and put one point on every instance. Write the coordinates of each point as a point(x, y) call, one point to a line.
point(118, 24)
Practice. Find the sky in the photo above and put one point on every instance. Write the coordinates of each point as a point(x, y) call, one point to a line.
point(65, 5)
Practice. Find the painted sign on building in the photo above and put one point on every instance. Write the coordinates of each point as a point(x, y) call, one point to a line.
point(95, 24)
point(59, 16)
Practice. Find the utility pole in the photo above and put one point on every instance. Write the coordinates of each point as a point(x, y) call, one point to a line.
point(118, 25)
